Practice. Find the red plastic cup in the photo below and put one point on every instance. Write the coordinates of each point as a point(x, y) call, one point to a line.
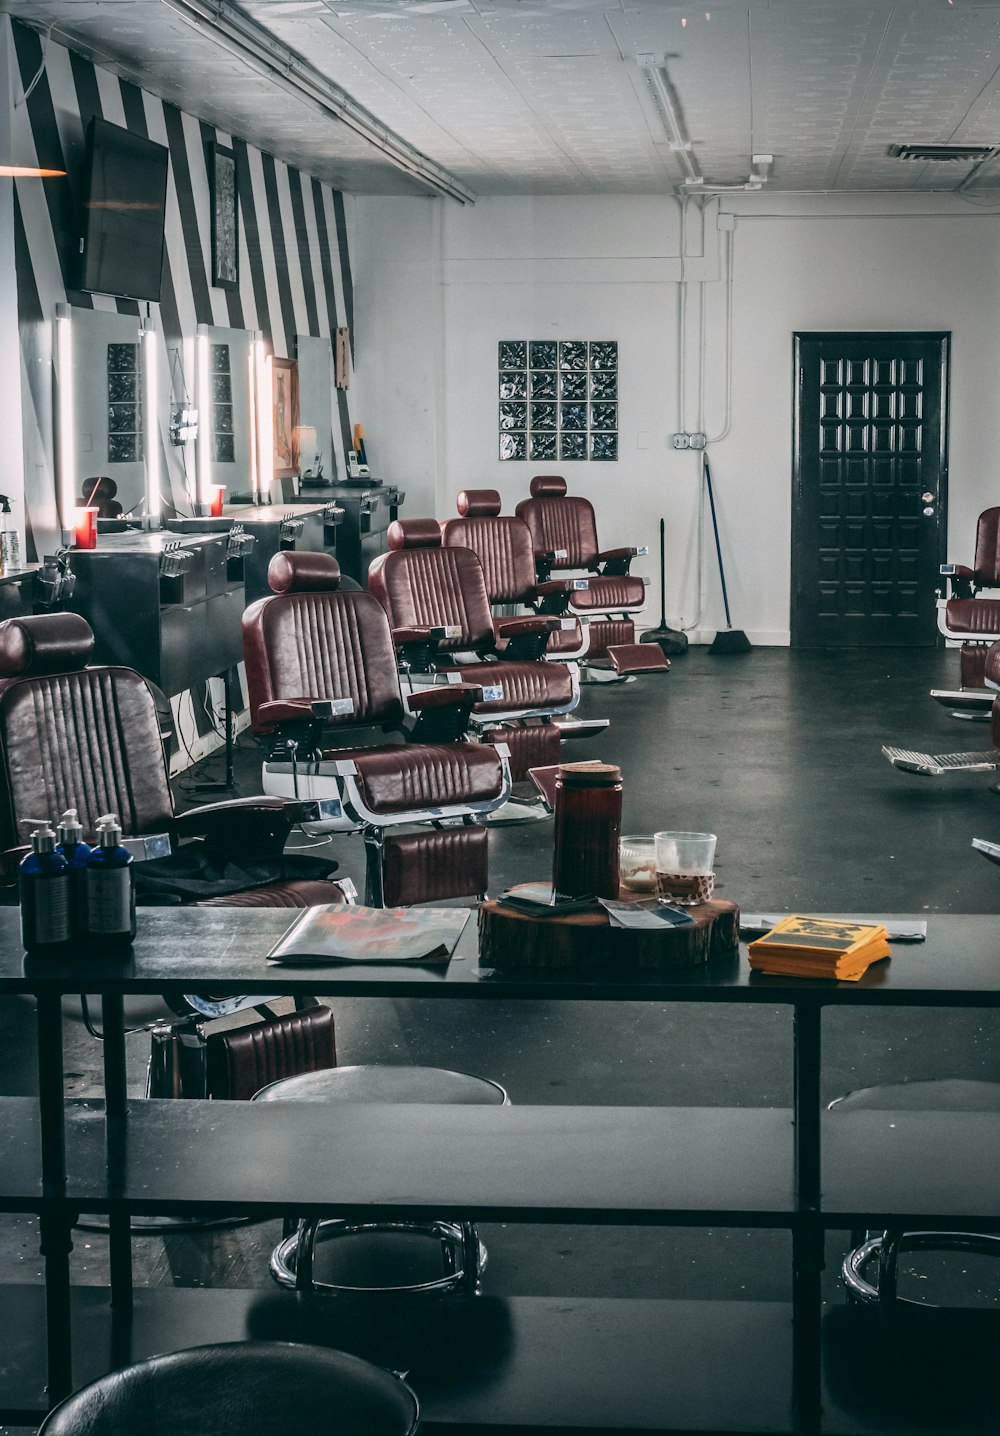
point(85, 528)
point(215, 493)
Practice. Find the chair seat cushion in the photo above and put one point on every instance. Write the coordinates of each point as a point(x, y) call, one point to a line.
point(611, 593)
point(401, 779)
point(391, 1083)
point(973, 615)
point(939, 1094)
point(525, 685)
point(991, 666)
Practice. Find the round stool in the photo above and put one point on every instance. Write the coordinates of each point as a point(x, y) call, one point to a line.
point(880, 1251)
point(269, 1388)
point(456, 1245)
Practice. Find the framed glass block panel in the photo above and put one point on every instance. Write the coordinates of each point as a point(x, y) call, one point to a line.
point(220, 358)
point(603, 354)
point(604, 384)
point(603, 447)
point(544, 384)
point(513, 416)
point(122, 356)
point(121, 418)
point(123, 448)
point(225, 449)
point(604, 416)
point(222, 389)
point(542, 354)
point(513, 353)
point(573, 416)
point(543, 446)
point(513, 384)
point(572, 446)
point(573, 386)
point(513, 446)
point(543, 416)
point(573, 354)
point(121, 388)
point(222, 418)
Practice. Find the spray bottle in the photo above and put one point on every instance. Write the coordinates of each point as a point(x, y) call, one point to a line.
point(43, 885)
point(110, 888)
point(77, 854)
point(10, 540)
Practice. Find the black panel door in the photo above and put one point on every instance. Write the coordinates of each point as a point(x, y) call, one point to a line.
point(869, 488)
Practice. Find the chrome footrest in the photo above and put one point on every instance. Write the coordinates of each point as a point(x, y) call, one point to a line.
point(863, 1289)
point(580, 727)
point(934, 764)
point(462, 1255)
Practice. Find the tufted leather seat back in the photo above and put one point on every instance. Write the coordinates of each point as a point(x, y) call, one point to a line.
point(987, 564)
point(89, 740)
point(432, 585)
point(329, 644)
point(557, 521)
point(504, 549)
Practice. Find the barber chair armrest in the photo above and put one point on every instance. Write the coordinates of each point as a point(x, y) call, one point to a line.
point(443, 713)
point(258, 825)
point(417, 645)
point(544, 561)
point(303, 710)
point(556, 594)
point(615, 560)
point(522, 639)
point(443, 695)
point(961, 580)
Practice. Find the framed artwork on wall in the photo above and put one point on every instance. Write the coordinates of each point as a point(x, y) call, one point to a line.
point(285, 422)
point(225, 217)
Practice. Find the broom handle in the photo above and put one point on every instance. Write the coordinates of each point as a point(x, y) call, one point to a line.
point(663, 580)
point(718, 546)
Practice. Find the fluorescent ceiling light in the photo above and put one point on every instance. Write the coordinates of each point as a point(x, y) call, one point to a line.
point(228, 26)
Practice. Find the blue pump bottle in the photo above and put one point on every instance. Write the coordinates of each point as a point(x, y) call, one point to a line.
point(77, 855)
point(43, 885)
point(110, 887)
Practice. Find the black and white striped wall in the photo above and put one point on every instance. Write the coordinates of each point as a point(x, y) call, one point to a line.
point(295, 273)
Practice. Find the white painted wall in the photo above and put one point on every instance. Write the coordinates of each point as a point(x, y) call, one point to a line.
point(437, 286)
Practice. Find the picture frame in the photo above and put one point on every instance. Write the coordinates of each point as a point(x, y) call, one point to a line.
point(285, 418)
point(225, 217)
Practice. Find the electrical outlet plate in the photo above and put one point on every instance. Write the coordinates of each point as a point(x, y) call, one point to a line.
point(697, 441)
point(681, 441)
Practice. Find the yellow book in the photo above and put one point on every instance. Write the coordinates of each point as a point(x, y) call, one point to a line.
point(818, 937)
point(835, 966)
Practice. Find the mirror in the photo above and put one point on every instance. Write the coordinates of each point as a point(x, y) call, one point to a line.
point(315, 358)
point(108, 412)
point(224, 411)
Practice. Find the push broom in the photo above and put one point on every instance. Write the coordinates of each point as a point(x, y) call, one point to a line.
point(671, 640)
point(728, 639)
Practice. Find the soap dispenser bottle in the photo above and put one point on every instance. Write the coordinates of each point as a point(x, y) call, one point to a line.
point(110, 889)
point(43, 886)
point(77, 854)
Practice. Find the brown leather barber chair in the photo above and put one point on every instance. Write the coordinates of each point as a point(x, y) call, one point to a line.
point(323, 685)
point(564, 535)
point(445, 632)
point(970, 615)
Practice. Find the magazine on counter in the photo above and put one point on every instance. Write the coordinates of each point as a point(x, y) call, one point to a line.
point(338, 933)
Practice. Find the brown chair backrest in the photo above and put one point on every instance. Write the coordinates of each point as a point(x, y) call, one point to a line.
point(311, 640)
point(502, 545)
point(558, 522)
point(73, 736)
point(419, 583)
point(987, 564)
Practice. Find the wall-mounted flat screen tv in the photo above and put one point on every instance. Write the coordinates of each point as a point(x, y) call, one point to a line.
point(125, 194)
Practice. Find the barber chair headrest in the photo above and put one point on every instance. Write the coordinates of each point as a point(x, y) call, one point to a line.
point(479, 503)
point(413, 533)
point(291, 572)
point(46, 643)
point(548, 486)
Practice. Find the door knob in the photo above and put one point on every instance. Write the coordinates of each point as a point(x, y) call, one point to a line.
point(928, 512)
point(928, 497)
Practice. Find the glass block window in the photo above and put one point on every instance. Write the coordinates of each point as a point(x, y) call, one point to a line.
point(124, 404)
point(558, 399)
point(223, 438)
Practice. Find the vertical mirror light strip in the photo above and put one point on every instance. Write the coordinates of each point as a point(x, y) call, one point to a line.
point(252, 367)
point(65, 437)
point(203, 454)
point(150, 382)
point(265, 438)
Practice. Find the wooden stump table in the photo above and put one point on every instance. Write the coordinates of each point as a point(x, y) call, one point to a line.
point(585, 941)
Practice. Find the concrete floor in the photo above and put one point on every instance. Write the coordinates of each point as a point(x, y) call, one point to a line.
point(778, 753)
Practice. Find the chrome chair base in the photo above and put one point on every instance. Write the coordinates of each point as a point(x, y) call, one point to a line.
point(463, 1256)
point(885, 1249)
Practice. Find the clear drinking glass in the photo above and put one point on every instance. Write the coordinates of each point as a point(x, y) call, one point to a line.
point(684, 871)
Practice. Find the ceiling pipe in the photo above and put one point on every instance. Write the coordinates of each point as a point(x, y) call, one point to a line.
point(228, 26)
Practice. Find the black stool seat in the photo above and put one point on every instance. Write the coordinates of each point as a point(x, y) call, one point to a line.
point(936, 1094)
point(232, 1389)
point(392, 1084)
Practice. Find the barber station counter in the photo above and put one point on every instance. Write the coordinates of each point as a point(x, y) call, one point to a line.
point(169, 606)
point(369, 508)
point(17, 592)
point(308, 528)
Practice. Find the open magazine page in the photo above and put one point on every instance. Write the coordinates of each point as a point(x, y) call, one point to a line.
point(367, 934)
